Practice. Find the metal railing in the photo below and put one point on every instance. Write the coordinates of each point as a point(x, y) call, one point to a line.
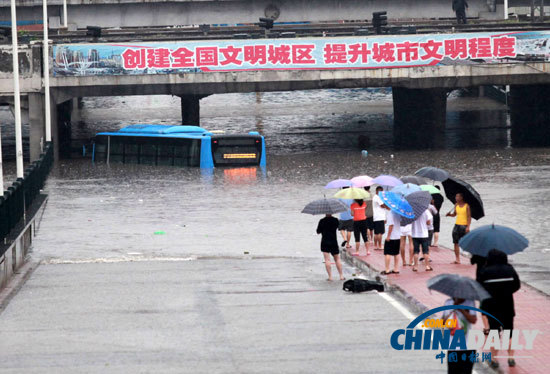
point(20, 195)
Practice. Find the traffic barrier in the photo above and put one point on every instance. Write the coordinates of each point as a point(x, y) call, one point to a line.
point(17, 199)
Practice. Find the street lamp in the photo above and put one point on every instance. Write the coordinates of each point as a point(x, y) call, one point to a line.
point(16, 98)
point(46, 62)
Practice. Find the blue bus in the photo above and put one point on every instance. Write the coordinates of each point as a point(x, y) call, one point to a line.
point(178, 146)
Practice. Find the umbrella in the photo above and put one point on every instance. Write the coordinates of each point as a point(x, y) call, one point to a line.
point(481, 240)
point(405, 189)
point(454, 185)
point(397, 203)
point(352, 193)
point(386, 180)
point(325, 206)
point(433, 173)
point(362, 181)
point(419, 201)
point(431, 189)
point(455, 285)
point(414, 179)
point(339, 183)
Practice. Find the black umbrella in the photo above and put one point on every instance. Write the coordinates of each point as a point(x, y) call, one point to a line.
point(413, 179)
point(433, 173)
point(454, 185)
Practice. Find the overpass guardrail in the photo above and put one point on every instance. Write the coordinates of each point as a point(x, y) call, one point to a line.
point(18, 198)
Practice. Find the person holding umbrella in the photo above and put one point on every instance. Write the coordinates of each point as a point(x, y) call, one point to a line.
point(462, 224)
point(420, 238)
point(463, 291)
point(501, 280)
point(359, 213)
point(398, 208)
point(328, 227)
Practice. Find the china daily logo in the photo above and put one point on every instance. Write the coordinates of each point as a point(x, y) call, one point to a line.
point(442, 335)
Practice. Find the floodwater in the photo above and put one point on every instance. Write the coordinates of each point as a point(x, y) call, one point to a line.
point(101, 212)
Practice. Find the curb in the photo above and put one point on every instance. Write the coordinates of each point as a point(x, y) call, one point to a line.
point(16, 283)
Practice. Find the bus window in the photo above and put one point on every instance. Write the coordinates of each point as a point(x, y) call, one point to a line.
point(117, 150)
point(148, 154)
point(166, 154)
point(181, 154)
point(131, 153)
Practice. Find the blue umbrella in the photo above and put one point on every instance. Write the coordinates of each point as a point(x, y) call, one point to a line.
point(406, 189)
point(397, 203)
point(339, 183)
point(481, 240)
point(387, 180)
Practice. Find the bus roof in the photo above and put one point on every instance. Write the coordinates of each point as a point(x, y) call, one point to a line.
point(162, 129)
point(159, 131)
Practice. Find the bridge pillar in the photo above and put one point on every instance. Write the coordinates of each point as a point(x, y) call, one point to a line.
point(530, 115)
point(190, 110)
point(418, 116)
point(36, 125)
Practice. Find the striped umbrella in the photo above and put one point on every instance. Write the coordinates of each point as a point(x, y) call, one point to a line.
point(325, 206)
point(419, 201)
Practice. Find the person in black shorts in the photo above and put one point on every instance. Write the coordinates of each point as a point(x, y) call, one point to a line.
point(328, 227)
point(370, 218)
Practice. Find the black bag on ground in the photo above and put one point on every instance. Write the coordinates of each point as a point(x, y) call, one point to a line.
point(362, 285)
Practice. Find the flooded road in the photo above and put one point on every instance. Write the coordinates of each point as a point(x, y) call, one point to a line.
point(99, 212)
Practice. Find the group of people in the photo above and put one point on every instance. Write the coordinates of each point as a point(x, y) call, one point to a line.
point(494, 272)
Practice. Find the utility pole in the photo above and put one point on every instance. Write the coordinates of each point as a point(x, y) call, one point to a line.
point(16, 98)
point(46, 62)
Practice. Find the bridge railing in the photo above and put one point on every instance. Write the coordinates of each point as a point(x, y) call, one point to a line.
point(20, 195)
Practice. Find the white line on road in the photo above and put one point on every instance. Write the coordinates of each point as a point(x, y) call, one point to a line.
point(397, 305)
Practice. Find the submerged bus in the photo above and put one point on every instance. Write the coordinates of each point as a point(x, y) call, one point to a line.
point(178, 146)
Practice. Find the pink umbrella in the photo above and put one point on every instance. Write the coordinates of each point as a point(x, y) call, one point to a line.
point(387, 180)
point(362, 181)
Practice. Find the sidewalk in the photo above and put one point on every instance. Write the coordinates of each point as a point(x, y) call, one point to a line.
point(532, 306)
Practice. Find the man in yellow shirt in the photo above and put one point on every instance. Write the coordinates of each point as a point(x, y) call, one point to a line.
point(462, 225)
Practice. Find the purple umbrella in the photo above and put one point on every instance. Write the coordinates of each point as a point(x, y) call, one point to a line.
point(387, 180)
point(339, 183)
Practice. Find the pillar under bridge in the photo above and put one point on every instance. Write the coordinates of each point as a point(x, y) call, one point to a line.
point(190, 110)
point(530, 115)
point(418, 116)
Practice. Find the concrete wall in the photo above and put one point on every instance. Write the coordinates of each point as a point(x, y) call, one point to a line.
point(117, 13)
point(16, 254)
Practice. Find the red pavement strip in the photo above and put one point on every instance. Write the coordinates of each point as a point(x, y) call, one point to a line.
point(532, 306)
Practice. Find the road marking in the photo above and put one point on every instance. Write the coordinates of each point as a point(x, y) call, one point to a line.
point(57, 261)
point(397, 305)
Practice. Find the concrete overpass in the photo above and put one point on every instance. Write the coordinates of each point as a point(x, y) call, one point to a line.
point(419, 89)
point(136, 13)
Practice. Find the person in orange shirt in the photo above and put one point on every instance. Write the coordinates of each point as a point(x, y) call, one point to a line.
point(359, 213)
point(462, 225)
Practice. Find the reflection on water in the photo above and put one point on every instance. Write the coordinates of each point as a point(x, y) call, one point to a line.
point(98, 211)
